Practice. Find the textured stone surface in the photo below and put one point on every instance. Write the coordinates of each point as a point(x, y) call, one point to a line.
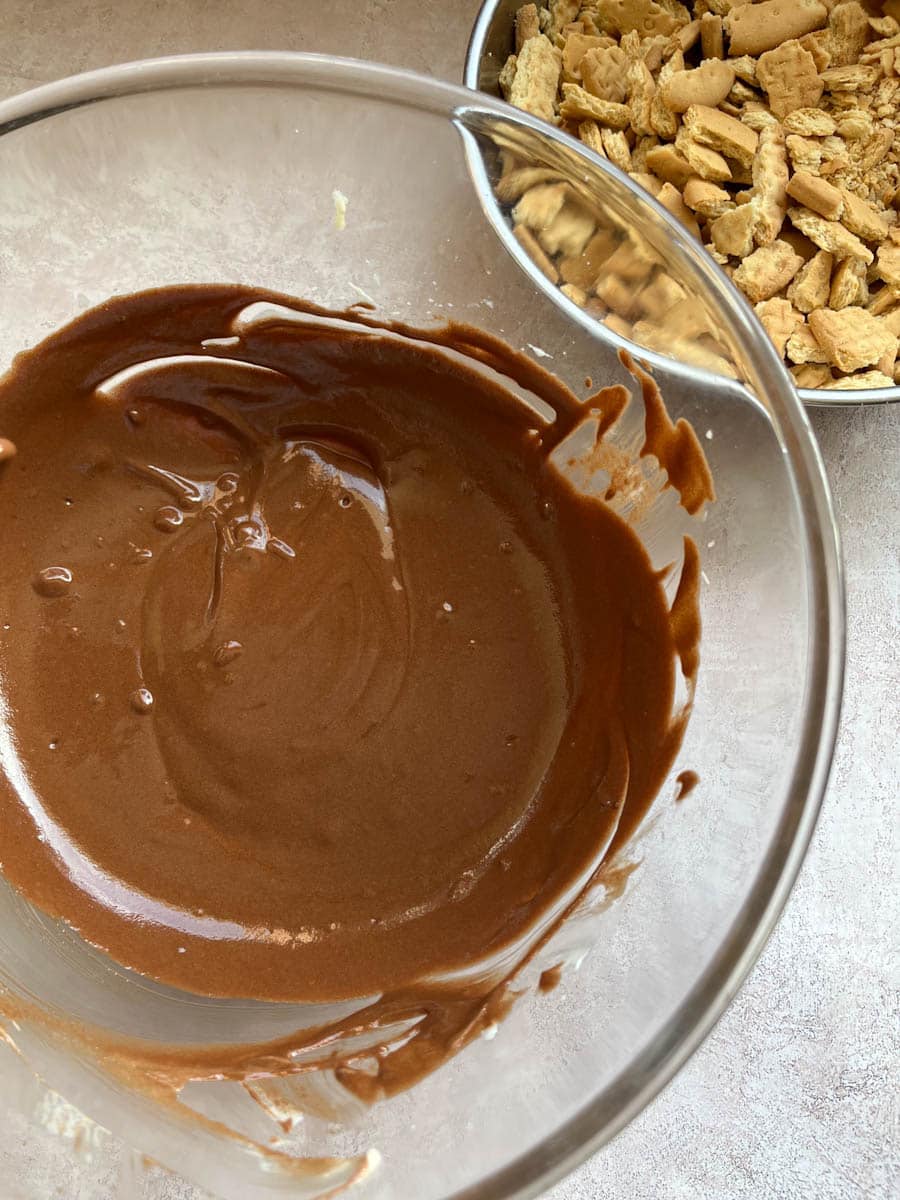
point(794, 1095)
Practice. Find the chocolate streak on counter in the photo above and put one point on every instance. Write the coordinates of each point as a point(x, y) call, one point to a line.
point(687, 781)
point(402, 687)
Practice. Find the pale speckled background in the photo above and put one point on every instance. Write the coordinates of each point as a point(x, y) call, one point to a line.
point(795, 1094)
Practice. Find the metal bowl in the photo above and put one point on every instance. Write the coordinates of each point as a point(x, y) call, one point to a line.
point(490, 44)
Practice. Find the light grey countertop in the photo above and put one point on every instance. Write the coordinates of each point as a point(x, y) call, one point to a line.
point(794, 1095)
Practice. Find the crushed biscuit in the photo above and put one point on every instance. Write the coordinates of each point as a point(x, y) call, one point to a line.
point(848, 32)
point(779, 319)
point(817, 194)
point(582, 270)
point(755, 28)
point(862, 219)
point(603, 73)
point(536, 78)
point(829, 235)
point(769, 129)
point(575, 294)
point(887, 265)
point(707, 84)
point(789, 77)
point(617, 149)
point(669, 165)
point(767, 270)
point(589, 133)
point(662, 118)
point(576, 47)
point(732, 232)
point(802, 347)
point(856, 78)
point(810, 287)
point(644, 17)
point(712, 39)
point(528, 25)
point(579, 105)
point(641, 92)
point(670, 198)
point(847, 284)
point(721, 132)
point(851, 338)
point(864, 379)
point(706, 162)
point(810, 122)
point(812, 375)
point(769, 174)
point(707, 199)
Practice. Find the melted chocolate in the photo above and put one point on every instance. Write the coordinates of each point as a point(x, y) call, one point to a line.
point(318, 679)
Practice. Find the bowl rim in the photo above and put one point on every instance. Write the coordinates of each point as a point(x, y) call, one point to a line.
point(813, 397)
point(558, 1153)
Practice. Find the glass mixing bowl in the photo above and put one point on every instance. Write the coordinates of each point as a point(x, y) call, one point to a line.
point(225, 168)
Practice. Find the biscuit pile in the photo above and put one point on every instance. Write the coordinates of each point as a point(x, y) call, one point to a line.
point(769, 129)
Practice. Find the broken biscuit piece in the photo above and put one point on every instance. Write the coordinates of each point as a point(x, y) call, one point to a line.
point(861, 218)
point(528, 25)
point(848, 284)
point(770, 178)
point(732, 232)
point(802, 347)
point(789, 77)
point(767, 270)
point(754, 28)
point(851, 338)
point(721, 132)
point(708, 84)
point(863, 379)
point(817, 194)
point(534, 85)
point(811, 284)
point(779, 319)
point(579, 105)
point(829, 235)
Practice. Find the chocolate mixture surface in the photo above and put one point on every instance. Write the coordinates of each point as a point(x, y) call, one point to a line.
point(317, 679)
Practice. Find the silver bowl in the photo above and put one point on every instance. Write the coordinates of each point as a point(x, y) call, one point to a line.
point(490, 44)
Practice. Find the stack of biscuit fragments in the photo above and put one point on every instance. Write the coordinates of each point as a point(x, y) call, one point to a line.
point(769, 129)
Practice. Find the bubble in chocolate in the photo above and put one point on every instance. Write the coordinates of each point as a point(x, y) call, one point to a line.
point(140, 554)
point(136, 416)
point(7, 449)
point(52, 582)
point(142, 700)
point(227, 653)
point(168, 518)
point(345, 500)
